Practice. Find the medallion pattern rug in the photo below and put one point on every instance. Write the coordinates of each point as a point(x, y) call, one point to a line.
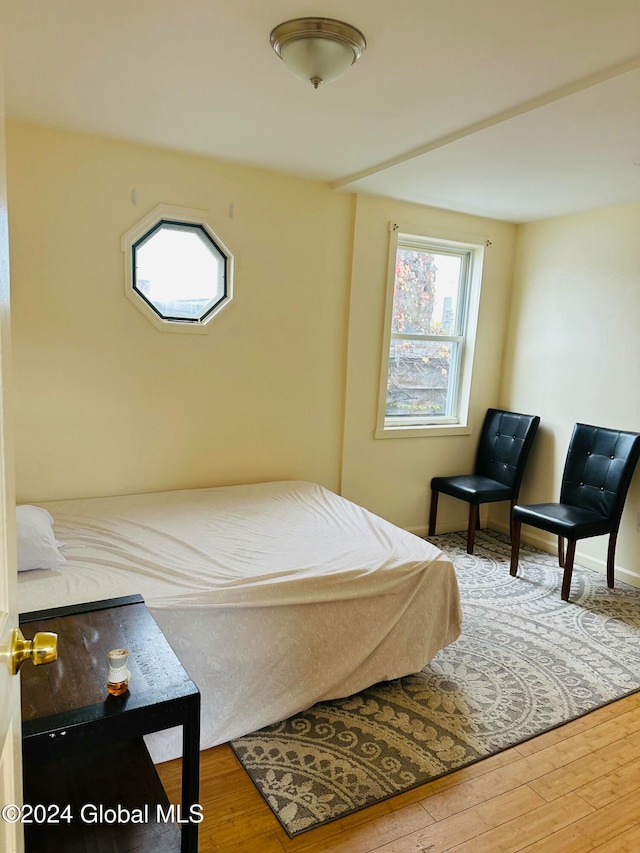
point(526, 662)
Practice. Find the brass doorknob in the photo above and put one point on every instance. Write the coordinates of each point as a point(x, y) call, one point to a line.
point(42, 649)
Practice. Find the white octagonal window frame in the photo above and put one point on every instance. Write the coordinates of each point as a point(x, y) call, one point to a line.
point(143, 231)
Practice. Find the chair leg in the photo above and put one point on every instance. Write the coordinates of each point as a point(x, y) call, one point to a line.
point(511, 506)
point(568, 570)
point(515, 546)
point(471, 529)
point(611, 554)
point(433, 512)
point(561, 551)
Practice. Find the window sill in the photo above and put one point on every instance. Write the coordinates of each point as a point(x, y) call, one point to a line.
point(431, 430)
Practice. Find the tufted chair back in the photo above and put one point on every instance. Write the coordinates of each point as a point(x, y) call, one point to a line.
point(599, 467)
point(504, 446)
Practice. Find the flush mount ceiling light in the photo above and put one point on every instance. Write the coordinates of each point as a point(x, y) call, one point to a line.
point(317, 49)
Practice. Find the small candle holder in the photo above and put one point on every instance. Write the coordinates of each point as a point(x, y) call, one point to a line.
point(119, 675)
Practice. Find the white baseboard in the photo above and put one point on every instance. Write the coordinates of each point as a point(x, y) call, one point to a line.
point(452, 527)
point(549, 543)
point(545, 542)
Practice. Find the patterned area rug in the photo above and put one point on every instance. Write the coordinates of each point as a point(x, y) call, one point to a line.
point(526, 662)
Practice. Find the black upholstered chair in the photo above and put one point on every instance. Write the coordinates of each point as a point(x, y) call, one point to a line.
point(505, 442)
point(597, 473)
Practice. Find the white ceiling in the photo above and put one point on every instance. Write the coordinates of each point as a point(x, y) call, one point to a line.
point(511, 109)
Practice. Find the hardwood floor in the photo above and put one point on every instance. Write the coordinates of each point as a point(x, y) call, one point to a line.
point(572, 790)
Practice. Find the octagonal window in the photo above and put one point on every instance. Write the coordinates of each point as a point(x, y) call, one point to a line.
point(179, 272)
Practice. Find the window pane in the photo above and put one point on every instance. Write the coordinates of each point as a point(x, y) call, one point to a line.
point(426, 296)
point(179, 271)
point(419, 376)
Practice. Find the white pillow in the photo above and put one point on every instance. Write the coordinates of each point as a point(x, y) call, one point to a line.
point(37, 546)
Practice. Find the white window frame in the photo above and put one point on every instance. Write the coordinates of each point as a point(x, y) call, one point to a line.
point(443, 241)
point(188, 216)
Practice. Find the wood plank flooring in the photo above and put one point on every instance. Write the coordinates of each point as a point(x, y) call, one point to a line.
point(572, 790)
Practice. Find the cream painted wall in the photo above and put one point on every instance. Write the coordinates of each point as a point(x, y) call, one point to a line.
point(106, 403)
point(390, 476)
point(573, 351)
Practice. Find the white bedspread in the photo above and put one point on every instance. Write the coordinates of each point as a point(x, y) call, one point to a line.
point(274, 596)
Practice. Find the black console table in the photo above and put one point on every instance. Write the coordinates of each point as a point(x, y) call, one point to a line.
point(83, 748)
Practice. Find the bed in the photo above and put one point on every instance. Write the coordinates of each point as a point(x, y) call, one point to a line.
point(274, 596)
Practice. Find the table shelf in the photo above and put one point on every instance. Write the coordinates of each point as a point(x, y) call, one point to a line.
point(90, 783)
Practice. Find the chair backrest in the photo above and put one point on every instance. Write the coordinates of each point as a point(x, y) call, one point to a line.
point(599, 467)
point(505, 442)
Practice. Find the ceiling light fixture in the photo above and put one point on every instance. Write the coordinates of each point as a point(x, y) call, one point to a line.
point(317, 49)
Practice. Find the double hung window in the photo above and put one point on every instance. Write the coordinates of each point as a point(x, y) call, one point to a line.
point(430, 329)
